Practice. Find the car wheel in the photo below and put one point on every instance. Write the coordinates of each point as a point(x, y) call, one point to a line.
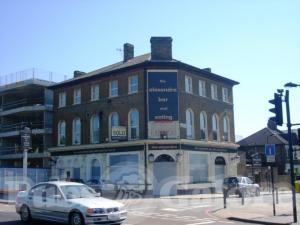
point(25, 214)
point(257, 192)
point(76, 219)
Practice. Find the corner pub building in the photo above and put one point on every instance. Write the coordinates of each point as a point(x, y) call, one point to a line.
point(151, 122)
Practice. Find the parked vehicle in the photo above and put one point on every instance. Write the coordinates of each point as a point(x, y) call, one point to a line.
point(236, 185)
point(68, 202)
point(101, 186)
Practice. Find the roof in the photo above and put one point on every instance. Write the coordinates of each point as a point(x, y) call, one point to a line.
point(139, 61)
point(262, 137)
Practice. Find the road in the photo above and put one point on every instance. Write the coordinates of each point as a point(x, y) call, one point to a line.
point(158, 211)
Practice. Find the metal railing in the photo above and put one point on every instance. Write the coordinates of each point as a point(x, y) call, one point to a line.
point(21, 103)
point(18, 150)
point(32, 73)
point(21, 125)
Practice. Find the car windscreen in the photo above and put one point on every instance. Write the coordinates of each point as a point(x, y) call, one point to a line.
point(77, 191)
point(231, 180)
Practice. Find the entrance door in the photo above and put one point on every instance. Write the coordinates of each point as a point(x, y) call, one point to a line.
point(219, 173)
point(164, 176)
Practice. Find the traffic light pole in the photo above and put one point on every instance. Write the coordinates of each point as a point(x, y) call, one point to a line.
point(289, 126)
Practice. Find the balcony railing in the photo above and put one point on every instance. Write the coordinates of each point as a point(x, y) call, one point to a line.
point(20, 126)
point(21, 103)
point(18, 150)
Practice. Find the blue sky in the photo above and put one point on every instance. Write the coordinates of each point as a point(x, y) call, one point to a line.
point(254, 42)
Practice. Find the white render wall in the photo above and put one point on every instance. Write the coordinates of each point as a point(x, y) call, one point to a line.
point(83, 162)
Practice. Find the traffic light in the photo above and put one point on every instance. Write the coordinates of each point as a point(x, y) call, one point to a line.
point(277, 109)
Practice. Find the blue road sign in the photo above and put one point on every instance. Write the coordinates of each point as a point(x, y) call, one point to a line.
point(270, 149)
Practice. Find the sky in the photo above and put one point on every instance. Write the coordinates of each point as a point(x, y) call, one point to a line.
point(254, 42)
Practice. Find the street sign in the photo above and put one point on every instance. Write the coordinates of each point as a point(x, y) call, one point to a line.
point(270, 152)
point(26, 139)
point(256, 160)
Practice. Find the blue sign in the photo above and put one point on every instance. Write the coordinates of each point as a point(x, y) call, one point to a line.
point(162, 96)
point(270, 149)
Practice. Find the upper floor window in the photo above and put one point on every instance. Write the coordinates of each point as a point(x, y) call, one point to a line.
point(188, 84)
point(215, 127)
point(61, 133)
point(214, 91)
point(190, 130)
point(225, 96)
point(202, 89)
point(113, 121)
point(133, 84)
point(226, 129)
point(95, 129)
point(77, 96)
point(203, 126)
point(133, 126)
point(62, 99)
point(95, 92)
point(76, 137)
point(113, 88)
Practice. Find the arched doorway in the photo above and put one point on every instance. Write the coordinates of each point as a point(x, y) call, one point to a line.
point(164, 176)
point(219, 172)
point(95, 169)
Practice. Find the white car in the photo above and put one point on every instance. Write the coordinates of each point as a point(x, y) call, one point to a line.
point(68, 202)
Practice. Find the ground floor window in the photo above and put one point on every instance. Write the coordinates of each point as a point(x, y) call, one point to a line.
point(124, 168)
point(198, 168)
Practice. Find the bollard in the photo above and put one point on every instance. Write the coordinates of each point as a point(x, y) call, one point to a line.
point(224, 197)
point(277, 201)
point(243, 196)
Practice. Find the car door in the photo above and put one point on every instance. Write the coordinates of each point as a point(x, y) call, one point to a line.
point(251, 185)
point(55, 203)
point(37, 201)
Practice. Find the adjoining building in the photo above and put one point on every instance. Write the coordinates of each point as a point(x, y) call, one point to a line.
point(25, 103)
point(151, 122)
point(253, 160)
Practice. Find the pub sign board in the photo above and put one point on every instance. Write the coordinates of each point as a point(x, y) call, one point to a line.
point(162, 98)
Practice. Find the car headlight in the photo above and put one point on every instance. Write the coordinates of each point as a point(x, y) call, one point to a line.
point(95, 210)
point(122, 208)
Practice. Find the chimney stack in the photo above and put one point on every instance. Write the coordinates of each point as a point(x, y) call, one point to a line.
point(161, 48)
point(128, 50)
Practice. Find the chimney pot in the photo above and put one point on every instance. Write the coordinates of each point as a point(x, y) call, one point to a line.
point(161, 48)
point(128, 50)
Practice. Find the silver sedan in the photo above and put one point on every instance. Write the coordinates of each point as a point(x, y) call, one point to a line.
point(68, 202)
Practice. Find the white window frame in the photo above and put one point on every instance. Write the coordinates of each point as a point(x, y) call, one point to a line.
point(202, 88)
point(214, 91)
point(130, 125)
point(215, 127)
point(76, 133)
point(225, 94)
point(133, 87)
point(113, 91)
point(93, 138)
point(110, 123)
point(226, 127)
point(188, 81)
point(201, 125)
point(190, 127)
point(62, 99)
point(77, 96)
point(95, 90)
point(59, 132)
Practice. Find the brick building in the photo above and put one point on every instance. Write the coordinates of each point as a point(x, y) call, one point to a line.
point(150, 122)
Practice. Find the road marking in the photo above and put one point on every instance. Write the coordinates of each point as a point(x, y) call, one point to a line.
point(185, 208)
point(207, 222)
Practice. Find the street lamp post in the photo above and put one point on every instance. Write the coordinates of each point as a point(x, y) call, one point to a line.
point(289, 126)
